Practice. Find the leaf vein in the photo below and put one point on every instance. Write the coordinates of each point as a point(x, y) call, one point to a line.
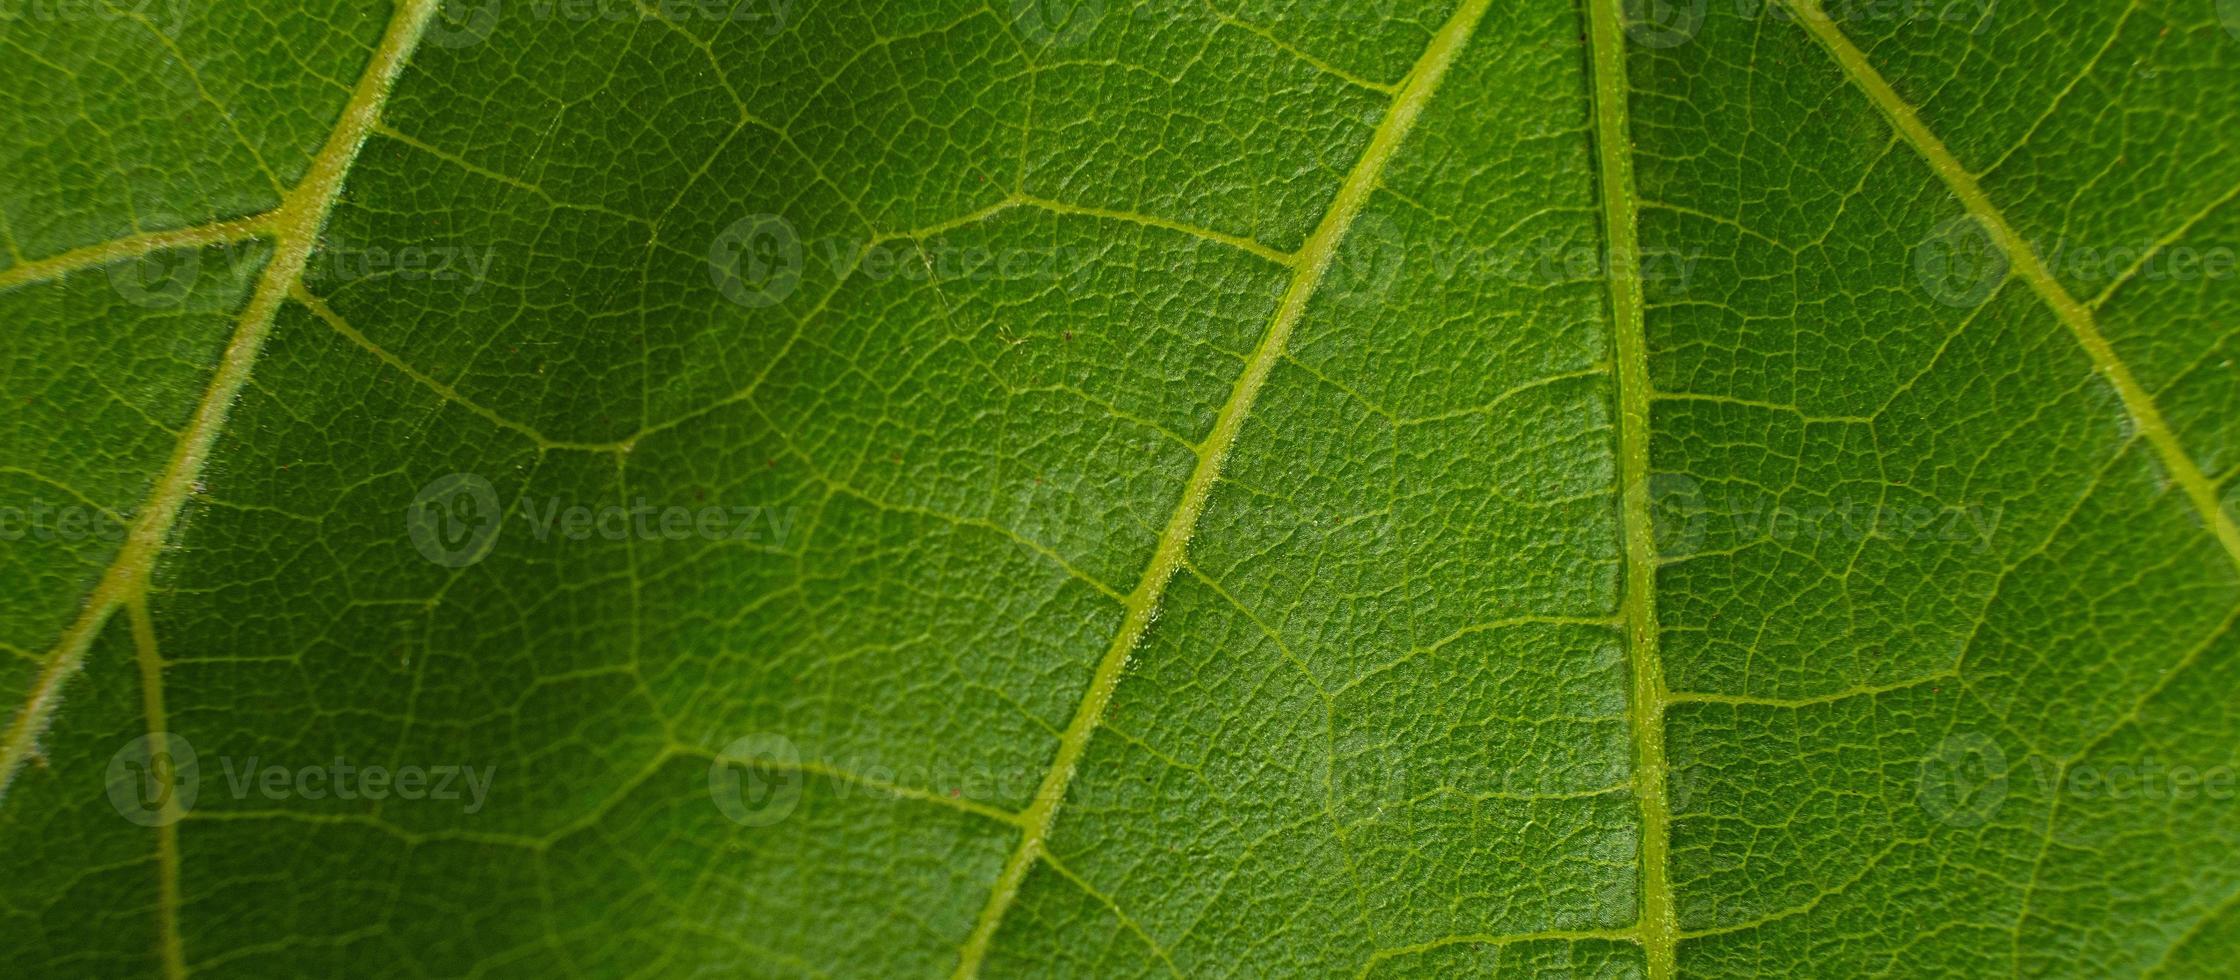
point(1143, 602)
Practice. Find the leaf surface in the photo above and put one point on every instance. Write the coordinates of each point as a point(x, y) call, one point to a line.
point(1243, 487)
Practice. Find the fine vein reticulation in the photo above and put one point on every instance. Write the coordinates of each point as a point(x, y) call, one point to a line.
point(2077, 316)
point(124, 586)
point(294, 227)
point(1142, 603)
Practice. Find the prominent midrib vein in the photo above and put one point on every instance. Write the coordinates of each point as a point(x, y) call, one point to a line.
point(1142, 603)
point(1658, 927)
point(2024, 260)
point(295, 228)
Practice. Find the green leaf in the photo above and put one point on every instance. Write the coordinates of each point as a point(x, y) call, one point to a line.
point(1069, 487)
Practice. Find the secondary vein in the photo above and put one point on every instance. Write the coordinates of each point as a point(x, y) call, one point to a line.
point(2198, 487)
point(133, 246)
point(295, 226)
point(1659, 928)
point(167, 826)
point(1142, 604)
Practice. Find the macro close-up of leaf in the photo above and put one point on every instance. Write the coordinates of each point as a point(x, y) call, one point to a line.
point(1091, 488)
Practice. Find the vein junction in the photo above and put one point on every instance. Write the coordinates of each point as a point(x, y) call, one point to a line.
point(1142, 602)
point(294, 226)
point(2198, 487)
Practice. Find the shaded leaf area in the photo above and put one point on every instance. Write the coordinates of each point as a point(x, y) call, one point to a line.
point(829, 382)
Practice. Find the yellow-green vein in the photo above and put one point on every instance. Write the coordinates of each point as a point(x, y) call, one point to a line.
point(133, 246)
point(1659, 928)
point(2198, 487)
point(1142, 603)
point(295, 227)
point(173, 952)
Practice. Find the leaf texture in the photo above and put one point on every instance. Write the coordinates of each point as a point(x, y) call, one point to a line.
point(1240, 487)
